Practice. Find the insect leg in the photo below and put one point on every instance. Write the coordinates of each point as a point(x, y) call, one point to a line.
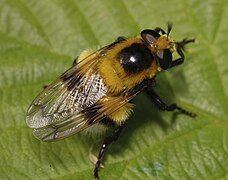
point(163, 106)
point(45, 86)
point(178, 61)
point(120, 38)
point(180, 48)
point(107, 141)
point(75, 61)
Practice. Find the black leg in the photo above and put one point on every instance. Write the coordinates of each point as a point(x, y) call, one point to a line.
point(177, 62)
point(45, 86)
point(107, 141)
point(120, 38)
point(75, 61)
point(180, 48)
point(163, 106)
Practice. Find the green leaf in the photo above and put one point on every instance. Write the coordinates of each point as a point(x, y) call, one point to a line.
point(40, 39)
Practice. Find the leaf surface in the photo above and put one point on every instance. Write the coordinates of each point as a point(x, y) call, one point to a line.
point(40, 39)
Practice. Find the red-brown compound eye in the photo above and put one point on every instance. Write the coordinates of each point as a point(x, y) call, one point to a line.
point(149, 36)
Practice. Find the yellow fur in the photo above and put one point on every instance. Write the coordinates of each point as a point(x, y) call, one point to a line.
point(87, 61)
point(121, 114)
point(113, 73)
point(116, 108)
point(110, 75)
point(84, 54)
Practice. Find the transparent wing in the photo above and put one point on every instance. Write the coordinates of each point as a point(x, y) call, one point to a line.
point(79, 122)
point(77, 88)
point(64, 99)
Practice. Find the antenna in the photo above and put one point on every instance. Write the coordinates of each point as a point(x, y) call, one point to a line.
point(170, 26)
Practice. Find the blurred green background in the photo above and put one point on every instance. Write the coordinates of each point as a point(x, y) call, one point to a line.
point(40, 39)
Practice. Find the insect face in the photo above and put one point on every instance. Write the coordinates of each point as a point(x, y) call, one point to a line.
point(162, 47)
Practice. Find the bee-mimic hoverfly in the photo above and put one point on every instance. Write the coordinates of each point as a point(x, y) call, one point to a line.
point(98, 88)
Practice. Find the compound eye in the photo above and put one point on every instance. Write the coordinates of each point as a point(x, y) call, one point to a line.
point(149, 35)
point(164, 58)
